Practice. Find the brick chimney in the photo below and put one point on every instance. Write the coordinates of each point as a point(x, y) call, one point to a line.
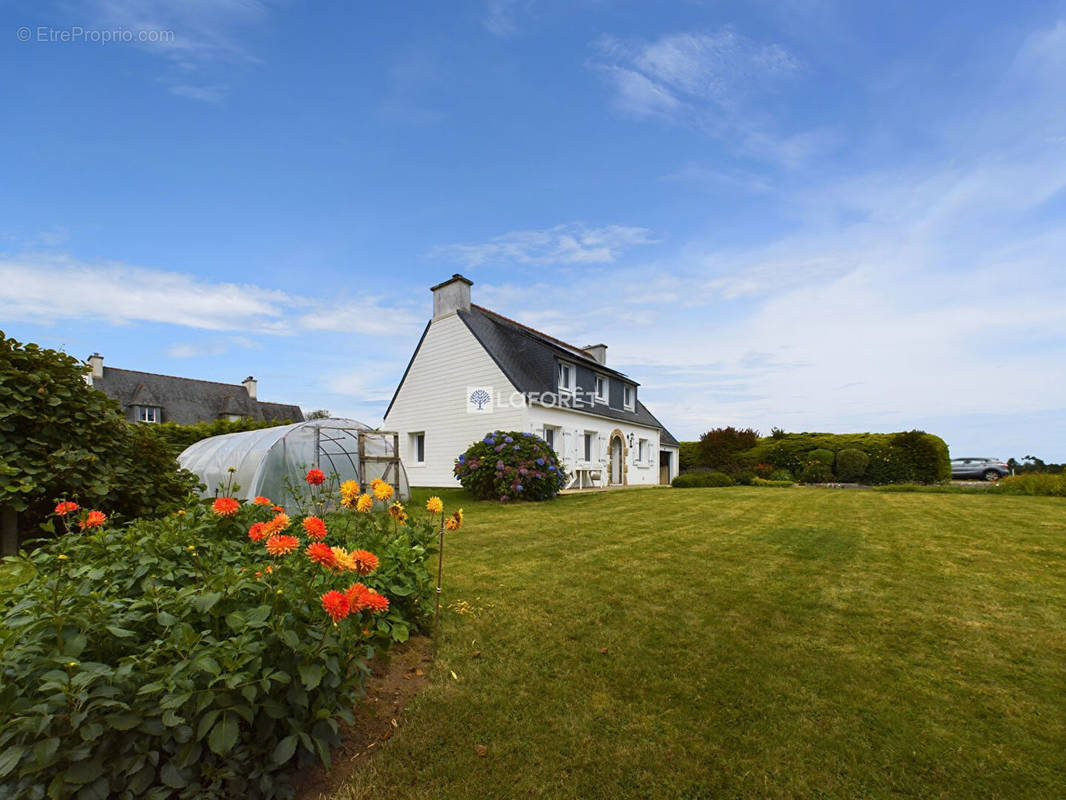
point(249, 383)
point(451, 296)
point(598, 352)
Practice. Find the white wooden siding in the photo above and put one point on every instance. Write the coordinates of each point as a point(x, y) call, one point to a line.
point(433, 399)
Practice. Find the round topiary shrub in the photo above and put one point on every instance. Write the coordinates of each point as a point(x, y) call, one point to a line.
point(822, 456)
point(510, 465)
point(781, 475)
point(816, 472)
point(851, 464)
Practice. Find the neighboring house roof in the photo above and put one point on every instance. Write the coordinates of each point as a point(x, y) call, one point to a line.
point(528, 358)
point(188, 400)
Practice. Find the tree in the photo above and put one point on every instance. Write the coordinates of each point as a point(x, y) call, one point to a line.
point(719, 447)
point(318, 413)
point(62, 439)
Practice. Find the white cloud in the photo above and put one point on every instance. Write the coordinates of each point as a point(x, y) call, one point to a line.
point(210, 347)
point(572, 243)
point(197, 38)
point(501, 16)
point(45, 288)
point(708, 81)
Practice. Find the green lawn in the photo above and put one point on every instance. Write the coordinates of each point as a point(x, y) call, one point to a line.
point(780, 643)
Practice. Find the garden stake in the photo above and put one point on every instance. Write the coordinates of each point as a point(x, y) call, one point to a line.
point(440, 572)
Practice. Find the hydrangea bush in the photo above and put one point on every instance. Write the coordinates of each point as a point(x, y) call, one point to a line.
point(510, 465)
point(207, 653)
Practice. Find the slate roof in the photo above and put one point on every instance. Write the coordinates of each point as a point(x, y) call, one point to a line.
point(528, 358)
point(188, 400)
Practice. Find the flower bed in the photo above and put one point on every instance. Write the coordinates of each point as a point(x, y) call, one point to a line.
point(204, 654)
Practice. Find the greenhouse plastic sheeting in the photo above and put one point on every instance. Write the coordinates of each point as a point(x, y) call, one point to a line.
point(263, 459)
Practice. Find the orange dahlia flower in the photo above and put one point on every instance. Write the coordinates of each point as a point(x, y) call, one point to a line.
point(66, 507)
point(365, 562)
point(374, 602)
point(383, 491)
point(336, 605)
point(364, 503)
point(276, 525)
point(315, 527)
point(395, 510)
point(280, 545)
point(225, 506)
point(261, 501)
point(257, 532)
point(349, 494)
point(321, 553)
point(355, 593)
point(94, 519)
point(316, 477)
point(435, 505)
point(455, 521)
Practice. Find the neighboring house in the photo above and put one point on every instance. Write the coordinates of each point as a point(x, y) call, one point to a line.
point(148, 397)
point(475, 371)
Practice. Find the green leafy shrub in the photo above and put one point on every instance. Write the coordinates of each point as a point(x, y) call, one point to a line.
point(894, 457)
point(776, 484)
point(176, 658)
point(688, 456)
point(816, 472)
point(699, 480)
point(1033, 483)
point(781, 475)
point(851, 464)
point(510, 465)
point(58, 436)
point(822, 456)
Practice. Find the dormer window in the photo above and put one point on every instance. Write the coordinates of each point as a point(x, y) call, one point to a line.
point(566, 377)
point(628, 397)
point(149, 414)
point(601, 389)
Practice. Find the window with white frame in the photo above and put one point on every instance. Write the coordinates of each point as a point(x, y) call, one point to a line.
point(590, 440)
point(149, 414)
point(549, 436)
point(642, 451)
point(601, 388)
point(566, 377)
point(627, 396)
point(418, 447)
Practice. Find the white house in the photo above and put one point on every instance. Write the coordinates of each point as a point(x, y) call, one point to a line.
point(475, 371)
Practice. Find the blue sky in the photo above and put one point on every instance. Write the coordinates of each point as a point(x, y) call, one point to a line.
point(810, 215)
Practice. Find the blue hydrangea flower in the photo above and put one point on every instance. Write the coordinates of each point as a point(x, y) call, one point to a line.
point(462, 458)
point(508, 439)
point(540, 462)
point(518, 487)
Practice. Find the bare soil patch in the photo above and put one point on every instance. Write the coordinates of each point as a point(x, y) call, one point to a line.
point(393, 681)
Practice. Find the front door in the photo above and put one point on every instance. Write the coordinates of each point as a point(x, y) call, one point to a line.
point(664, 467)
point(616, 461)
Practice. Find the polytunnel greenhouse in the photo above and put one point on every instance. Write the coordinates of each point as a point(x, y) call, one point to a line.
point(265, 459)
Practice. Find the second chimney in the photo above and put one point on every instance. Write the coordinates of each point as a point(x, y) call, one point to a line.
point(249, 384)
point(598, 352)
point(96, 361)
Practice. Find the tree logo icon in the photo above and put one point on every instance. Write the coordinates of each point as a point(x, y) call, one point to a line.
point(479, 399)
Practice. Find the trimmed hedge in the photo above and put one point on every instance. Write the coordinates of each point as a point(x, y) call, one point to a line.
point(816, 472)
point(702, 480)
point(822, 456)
point(913, 456)
point(851, 464)
point(1033, 483)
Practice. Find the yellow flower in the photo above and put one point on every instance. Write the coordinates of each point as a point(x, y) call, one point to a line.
point(364, 503)
point(396, 510)
point(455, 521)
point(375, 483)
point(349, 494)
point(62, 557)
point(435, 504)
point(383, 491)
point(343, 558)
